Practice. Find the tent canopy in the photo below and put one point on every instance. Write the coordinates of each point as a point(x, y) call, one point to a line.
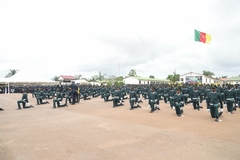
point(81, 81)
point(26, 76)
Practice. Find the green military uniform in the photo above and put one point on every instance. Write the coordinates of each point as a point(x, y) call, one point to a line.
point(178, 103)
point(133, 98)
point(116, 98)
point(58, 99)
point(153, 99)
point(215, 101)
point(23, 101)
point(40, 97)
point(195, 96)
point(230, 98)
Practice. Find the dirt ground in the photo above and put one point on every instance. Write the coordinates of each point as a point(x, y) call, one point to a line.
point(93, 130)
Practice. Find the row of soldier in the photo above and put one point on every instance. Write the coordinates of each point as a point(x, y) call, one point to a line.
point(229, 96)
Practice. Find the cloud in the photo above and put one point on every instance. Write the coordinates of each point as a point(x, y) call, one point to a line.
point(113, 37)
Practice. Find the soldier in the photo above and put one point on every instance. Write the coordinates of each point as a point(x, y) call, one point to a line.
point(106, 94)
point(133, 98)
point(185, 92)
point(86, 94)
point(145, 93)
point(178, 103)
point(172, 92)
point(237, 94)
point(58, 99)
point(201, 90)
point(195, 95)
point(68, 96)
point(206, 92)
point(116, 98)
point(165, 91)
point(215, 101)
point(230, 98)
point(24, 101)
point(60, 86)
point(152, 100)
point(41, 97)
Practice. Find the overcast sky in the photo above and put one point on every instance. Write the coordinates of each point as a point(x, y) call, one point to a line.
point(70, 37)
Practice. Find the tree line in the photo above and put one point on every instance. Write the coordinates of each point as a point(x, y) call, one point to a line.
point(100, 77)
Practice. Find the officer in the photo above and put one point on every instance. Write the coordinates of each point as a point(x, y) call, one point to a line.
point(215, 101)
point(74, 89)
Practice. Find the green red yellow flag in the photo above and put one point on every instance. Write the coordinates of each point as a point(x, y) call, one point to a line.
point(202, 37)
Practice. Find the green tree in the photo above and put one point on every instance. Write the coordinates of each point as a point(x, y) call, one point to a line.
point(120, 78)
point(93, 78)
point(173, 77)
point(78, 76)
point(132, 73)
point(208, 73)
point(151, 76)
point(55, 78)
point(11, 73)
point(101, 76)
point(118, 84)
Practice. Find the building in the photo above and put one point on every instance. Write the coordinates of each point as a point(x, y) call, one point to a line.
point(233, 80)
point(142, 80)
point(65, 78)
point(194, 78)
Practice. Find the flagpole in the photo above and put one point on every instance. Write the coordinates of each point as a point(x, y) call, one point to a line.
point(195, 59)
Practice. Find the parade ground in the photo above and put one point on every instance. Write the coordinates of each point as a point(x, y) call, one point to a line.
point(94, 130)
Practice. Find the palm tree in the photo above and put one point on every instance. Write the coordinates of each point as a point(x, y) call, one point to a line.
point(101, 76)
point(11, 73)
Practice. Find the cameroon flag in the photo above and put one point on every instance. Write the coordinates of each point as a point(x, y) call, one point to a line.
point(202, 37)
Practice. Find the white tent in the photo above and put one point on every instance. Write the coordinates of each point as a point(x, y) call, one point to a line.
point(131, 80)
point(26, 76)
point(81, 81)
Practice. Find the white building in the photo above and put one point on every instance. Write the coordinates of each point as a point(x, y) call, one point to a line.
point(142, 80)
point(192, 77)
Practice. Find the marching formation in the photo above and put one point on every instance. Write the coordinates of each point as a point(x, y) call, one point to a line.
point(177, 96)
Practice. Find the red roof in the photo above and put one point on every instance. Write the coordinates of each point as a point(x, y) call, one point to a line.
point(68, 77)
